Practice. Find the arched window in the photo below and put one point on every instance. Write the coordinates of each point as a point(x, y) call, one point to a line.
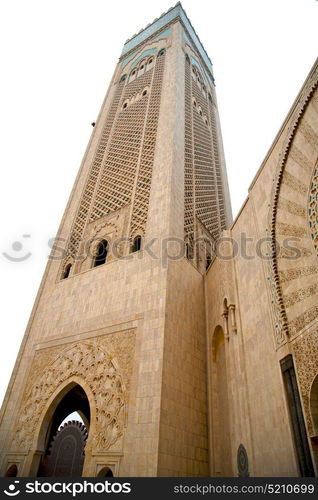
point(132, 75)
point(187, 58)
point(67, 271)
point(194, 103)
point(12, 471)
point(210, 97)
point(141, 68)
point(136, 246)
point(144, 92)
point(125, 105)
point(208, 262)
point(123, 78)
point(105, 472)
point(162, 52)
point(101, 253)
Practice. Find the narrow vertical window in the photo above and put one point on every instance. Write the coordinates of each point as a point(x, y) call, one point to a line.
point(67, 271)
point(101, 254)
point(208, 262)
point(136, 244)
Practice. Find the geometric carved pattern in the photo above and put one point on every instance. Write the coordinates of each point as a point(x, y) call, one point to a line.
point(188, 161)
point(125, 151)
point(299, 157)
point(90, 186)
point(291, 160)
point(309, 133)
point(97, 369)
point(203, 195)
point(293, 274)
point(288, 229)
point(144, 176)
point(206, 188)
point(304, 319)
point(116, 183)
point(294, 183)
point(313, 209)
point(291, 207)
point(306, 357)
point(300, 295)
point(218, 165)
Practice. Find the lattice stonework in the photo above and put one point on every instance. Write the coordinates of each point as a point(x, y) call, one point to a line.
point(115, 188)
point(121, 171)
point(204, 197)
point(218, 166)
point(142, 192)
point(188, 160)
point(86, 200)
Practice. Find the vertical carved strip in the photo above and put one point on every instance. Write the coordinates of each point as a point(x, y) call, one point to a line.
point(188, 158)
point(88, 193)
point(142, 192)
point(115, 186)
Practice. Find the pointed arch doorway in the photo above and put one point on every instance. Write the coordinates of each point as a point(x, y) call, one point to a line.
point(222, 460)
point(66, 433)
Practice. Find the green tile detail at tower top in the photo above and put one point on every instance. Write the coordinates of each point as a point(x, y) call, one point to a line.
point(161, 22)
point(144, 54)
point(163, 34)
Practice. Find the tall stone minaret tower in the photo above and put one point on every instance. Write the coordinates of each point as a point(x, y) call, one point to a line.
point(117, 333)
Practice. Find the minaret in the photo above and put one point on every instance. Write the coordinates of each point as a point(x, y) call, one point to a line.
point(117, 332)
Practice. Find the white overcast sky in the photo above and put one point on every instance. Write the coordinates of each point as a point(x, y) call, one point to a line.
point(57, 60)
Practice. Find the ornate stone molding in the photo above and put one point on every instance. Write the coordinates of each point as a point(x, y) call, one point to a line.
point(99, 371)
point(282, 331)
point(313, 208)
point(306, 357)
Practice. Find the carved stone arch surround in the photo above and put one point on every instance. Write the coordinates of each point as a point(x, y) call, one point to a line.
point(99, 371)
point(283, 327)
point(293, 283)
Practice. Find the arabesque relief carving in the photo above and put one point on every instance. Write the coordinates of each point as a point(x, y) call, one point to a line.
point(306, 356)
point(284, 177)
point(99, 371)
point(313, 208)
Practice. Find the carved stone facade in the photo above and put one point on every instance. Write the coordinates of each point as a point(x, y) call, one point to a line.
point(275, 294)
point(90, 363)
point(313, 208)
point(199, 364)
point(306, 356)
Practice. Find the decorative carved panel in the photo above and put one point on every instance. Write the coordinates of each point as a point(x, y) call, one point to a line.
point(90, 362)
point(306, 357)
point(294, 295)
point(313, 209)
